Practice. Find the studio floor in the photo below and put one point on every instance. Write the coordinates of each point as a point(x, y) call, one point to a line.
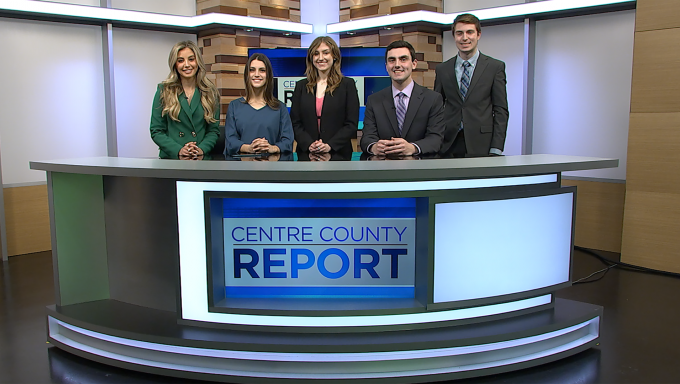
point(640, 333)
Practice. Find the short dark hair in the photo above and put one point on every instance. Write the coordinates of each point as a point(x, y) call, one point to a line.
point(466, 18)
point(401, 44)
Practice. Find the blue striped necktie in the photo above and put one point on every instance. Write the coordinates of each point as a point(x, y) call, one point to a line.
point(401, 110)
point(465, 79)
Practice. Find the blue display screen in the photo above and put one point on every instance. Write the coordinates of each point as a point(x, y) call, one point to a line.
point(290, 62)
point(327, 208)
point(318, 248)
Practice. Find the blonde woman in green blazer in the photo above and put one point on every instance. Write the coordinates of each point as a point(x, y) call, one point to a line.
point(186, 115)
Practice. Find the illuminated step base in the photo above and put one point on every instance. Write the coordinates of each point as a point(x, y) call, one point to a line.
point(150, 341)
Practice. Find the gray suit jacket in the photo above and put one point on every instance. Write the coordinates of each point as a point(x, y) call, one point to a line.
point(423, 123)
point(484, 111)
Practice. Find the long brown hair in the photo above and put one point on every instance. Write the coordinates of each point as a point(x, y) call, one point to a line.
point(269, 98)
point(334, 73)
point(172, 86)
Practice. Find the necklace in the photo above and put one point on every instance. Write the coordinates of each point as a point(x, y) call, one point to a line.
point(321, 88)
point(189, 93)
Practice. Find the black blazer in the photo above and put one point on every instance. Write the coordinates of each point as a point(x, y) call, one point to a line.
point(339, 116)
point(423, 123)
point(485, 109)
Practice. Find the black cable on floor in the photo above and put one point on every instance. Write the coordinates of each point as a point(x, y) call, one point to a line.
point(626, 266)
point(582, 280)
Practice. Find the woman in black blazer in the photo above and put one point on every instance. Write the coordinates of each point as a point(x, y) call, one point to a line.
point(325, 109)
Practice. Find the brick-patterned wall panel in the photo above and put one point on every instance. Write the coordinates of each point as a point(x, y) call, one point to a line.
point(275, 40)
point(426, 41)
point(225, 60)
point(370, 39)
point(288, 10)
point(357, 9)
point(428, 46)
point(428, 52)
point(225, 50)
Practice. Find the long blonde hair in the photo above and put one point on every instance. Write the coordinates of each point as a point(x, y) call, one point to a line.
point(334, 74)
point(172, 86)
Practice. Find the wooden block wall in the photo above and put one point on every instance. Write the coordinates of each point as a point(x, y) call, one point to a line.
point(225, 50)
point(288, 10)
point(599, 214)
point(426, 41)
point(357, 9)
point(28, 220)
point(651, 221)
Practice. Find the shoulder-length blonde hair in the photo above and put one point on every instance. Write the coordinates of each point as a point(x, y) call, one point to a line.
point(334, 74)
point(269, 98)
point(172, 86)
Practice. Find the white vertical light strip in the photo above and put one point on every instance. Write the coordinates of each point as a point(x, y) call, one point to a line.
point(109, 86)
point(528, 86)
point(319, 14)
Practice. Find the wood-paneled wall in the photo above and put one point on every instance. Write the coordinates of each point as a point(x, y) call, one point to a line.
point(599, 214)
point(651, 224)
point(225, 50)
point(28, 220)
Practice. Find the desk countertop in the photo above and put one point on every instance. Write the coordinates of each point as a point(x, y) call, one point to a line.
point(336, 171)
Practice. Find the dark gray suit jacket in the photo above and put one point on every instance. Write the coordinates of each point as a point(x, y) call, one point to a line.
point(423, 123)
point(484, 111)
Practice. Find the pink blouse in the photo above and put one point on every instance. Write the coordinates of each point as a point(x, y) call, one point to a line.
point(319, 105)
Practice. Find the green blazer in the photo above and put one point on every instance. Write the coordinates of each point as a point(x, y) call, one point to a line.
point(170, 135)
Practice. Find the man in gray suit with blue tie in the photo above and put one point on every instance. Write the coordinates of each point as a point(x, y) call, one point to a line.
point(475, 99)
point(404, 119)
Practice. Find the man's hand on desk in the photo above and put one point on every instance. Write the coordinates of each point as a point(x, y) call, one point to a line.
point(396, 146)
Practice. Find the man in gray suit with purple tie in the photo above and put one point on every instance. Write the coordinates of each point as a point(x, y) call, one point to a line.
point(405, 118)
point(475, 100)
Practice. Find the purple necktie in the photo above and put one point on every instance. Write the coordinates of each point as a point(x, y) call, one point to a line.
point(401, 110)
point(465, 79)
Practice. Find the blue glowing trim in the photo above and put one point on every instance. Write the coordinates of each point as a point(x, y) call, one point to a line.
point(366, 292)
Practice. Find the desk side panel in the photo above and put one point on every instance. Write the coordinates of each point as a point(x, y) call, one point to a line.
point(142, 241)
point(79, 234)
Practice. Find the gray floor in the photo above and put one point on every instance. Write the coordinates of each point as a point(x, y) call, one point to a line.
point(640, 340)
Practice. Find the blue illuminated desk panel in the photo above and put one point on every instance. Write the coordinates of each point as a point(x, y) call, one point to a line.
point(394, 271)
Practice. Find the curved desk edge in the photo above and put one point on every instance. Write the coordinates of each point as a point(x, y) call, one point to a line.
point(329, 171)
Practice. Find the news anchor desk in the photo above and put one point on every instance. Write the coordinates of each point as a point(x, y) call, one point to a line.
point(387, 271)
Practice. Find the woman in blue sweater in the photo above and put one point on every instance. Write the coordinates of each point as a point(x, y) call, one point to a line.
point(258, 122)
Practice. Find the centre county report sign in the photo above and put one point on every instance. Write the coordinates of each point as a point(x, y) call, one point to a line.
point(322, 248)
